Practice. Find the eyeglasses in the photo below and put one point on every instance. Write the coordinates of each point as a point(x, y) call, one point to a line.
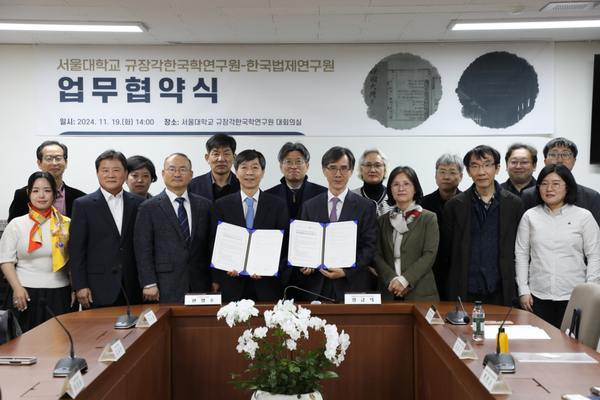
point(48, 158)
point(564, 156)
point(524, 164)
point(553, 185)
point(173, 170)
point(405, 185)
point(370, 165)
point(476, 167)
point(290, 163)
point(444, 172)
point(334, 170)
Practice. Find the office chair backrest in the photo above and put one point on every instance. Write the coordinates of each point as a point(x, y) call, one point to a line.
point(587, 297)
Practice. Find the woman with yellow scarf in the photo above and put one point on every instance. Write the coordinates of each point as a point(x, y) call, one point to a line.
point(34, 251)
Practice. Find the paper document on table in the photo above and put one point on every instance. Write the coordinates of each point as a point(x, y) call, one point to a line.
point(554, 357)
point(306, 244)
point(340, 244)
point(265, 252)
point(231, 246)
point(517, 332)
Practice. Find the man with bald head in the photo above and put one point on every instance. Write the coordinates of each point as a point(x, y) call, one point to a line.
point(171, 237)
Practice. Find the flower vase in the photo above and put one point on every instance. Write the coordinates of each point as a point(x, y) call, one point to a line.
point(260, 395)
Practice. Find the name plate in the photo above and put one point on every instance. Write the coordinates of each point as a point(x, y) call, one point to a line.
point(203, 299)
point(113, 351)
point(362, 298)
point(460, 345)
point(73, 384)
point(494, 381)
point(148, 318)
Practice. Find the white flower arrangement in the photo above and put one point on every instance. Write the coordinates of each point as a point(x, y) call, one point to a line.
point(289, 366)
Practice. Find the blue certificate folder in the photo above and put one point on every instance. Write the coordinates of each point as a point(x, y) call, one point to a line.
point(249, 252)
point(322, 245)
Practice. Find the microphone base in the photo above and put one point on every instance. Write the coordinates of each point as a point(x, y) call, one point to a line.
point(126, 321)
point(457, 317)
point(66, 365)
point(504, 362)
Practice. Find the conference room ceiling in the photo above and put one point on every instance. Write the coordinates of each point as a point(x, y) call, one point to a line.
point(285, 21)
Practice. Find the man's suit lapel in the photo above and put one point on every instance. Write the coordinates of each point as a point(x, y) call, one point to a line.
point(207, 186)
point(237, 210)
point(348, 207)
point(169, 213)
point(102, 205)
point(127, 211)
point(261, 211)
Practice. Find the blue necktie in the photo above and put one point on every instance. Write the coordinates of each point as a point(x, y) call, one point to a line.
point(250, 213)
point(183, 221)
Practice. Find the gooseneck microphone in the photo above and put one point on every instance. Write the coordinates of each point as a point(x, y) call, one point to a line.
point(458, 317)
point(124, 321)
point(66, 365)
point(308, 291)
point(504, 362)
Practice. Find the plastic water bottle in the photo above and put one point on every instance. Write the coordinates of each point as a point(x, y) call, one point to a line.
point(478, 322)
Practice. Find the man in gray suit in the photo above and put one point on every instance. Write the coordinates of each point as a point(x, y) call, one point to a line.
point(171, 237)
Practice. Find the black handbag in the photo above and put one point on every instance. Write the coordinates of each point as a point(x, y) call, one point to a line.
point(9, 327)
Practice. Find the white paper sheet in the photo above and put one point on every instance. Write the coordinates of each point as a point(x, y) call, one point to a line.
point(340, 244)
point(231, 243)
point(265, 252)
point(517, 332)
point(306, 244)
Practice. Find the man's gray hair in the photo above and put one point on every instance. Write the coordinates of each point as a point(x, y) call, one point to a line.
point(447, 159)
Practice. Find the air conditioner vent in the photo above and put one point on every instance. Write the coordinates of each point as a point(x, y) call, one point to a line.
point(570, 6)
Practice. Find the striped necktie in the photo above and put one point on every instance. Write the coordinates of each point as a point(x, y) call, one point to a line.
point(183, 221)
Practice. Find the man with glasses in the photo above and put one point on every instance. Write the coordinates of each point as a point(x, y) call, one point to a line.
point(295, 188)
point(448, 175)
point(521, 161)
point(336, 205)
point(564, 151)
point(479, 230)
point(219, 181)
point(52, 157)
point(172, 236)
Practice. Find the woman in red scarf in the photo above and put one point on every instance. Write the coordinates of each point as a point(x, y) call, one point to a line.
point(407, 242)
point(34, 254)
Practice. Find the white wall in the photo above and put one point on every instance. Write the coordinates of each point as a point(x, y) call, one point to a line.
point(573, 95)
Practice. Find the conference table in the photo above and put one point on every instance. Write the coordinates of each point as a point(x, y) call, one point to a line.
point(189, 354)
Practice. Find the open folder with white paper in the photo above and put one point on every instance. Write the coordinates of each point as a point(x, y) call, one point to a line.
point(250, 252)
point(318, 245)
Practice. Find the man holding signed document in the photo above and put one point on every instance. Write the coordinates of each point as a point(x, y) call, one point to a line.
point(344, 221)
point(250, 251)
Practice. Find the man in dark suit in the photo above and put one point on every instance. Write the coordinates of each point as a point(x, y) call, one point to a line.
point(480, 228)
point(171, 238)
point(52, 157)
point(295, 188)
point(253, 209)
point(219, 182)
point(448, 175)
point(336, 205)
point(101, 238)
point(563, 151)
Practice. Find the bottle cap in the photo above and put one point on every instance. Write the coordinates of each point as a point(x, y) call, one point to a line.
point(478, 303)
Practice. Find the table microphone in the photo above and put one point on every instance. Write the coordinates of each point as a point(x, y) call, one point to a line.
point(458, 317)
point(504, 362)
point(124, 321)
point(66, 365)
point(307, 291)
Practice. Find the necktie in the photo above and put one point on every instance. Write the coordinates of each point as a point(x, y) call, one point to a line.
point(333, 217)
point(183, 221)
point(250, 213)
